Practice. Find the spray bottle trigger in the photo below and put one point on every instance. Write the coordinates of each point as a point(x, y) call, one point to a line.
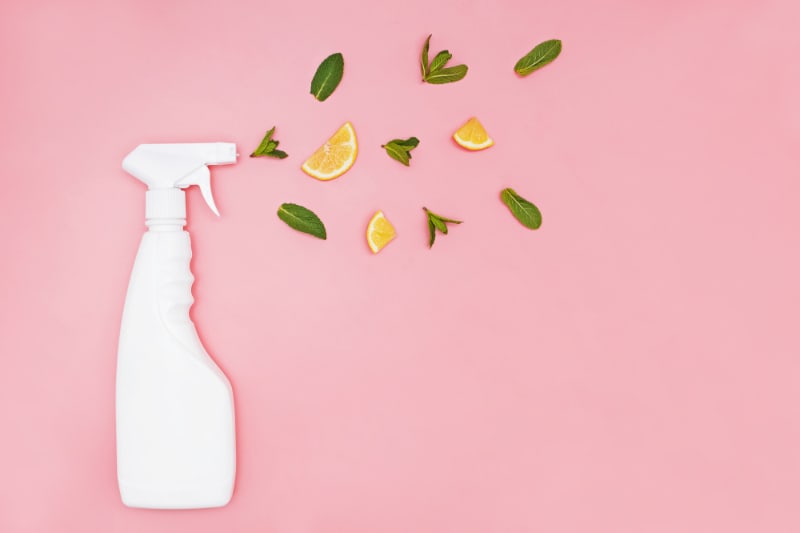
point(202, 178)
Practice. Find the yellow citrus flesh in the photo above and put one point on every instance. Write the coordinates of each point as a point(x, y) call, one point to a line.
point(335, 157)
point(472, 136)
point(380, 232)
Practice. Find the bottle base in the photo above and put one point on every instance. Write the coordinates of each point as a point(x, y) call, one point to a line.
point(190, 497)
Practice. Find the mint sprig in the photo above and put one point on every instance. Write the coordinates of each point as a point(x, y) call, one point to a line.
point(400, 149)
point(268, 147)
point(302, 219)
point(436, 71)
point(437, 223)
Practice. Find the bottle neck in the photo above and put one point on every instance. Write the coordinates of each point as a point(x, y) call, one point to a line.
point(165, 209)
point(165, 224)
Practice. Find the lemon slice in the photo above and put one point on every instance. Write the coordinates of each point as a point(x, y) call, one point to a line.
point(472, 136)
point(380, 232)
point(335, 157)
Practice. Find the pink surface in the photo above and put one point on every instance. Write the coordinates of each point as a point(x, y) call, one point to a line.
point(633, 366)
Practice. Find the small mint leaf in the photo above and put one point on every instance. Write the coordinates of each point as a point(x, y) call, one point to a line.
point(424, 59)
point(432, 230)
point(439, 223)
point(440, 60)
point(410, 143)
point(447, 75)
point(280, 154)
point(302, 219)
point(397, 152)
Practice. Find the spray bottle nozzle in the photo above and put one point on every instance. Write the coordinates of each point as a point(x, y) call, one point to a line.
point(181, 165)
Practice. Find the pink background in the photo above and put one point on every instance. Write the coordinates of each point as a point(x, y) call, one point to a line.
point(633, 366)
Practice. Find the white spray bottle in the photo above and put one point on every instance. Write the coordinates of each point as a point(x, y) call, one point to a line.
point(176, 445)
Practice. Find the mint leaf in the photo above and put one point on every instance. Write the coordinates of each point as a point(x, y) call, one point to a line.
point(302, 219)
point(398, 153)
point(268, 146)
point(328, 75)
point(437, 222)
point(445, 219)
point(447, 75)
point(424, 59)
point(411, 142)
point(432, 230)
point(435, 71)
point(523, 210)
point(400, 149)
point(440, 60)
point(541, 55)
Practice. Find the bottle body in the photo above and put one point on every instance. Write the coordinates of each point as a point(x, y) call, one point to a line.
point(174, 407)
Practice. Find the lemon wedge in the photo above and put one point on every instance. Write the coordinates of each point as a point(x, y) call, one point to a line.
point(380, 232)
point(473, 136)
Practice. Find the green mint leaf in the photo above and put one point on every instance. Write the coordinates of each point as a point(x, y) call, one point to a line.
point(541, 55)
point(524, 211)
point(410, 143)
point(424, 59)
point(268, 147)
point(263, 147)
point(397, 152)
point(432, 230)
point(440, 60)
point(280, 154)
point(400, 149)
point(447, 75)
point(437, 222)
point(328, 75)
point(302, 219)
